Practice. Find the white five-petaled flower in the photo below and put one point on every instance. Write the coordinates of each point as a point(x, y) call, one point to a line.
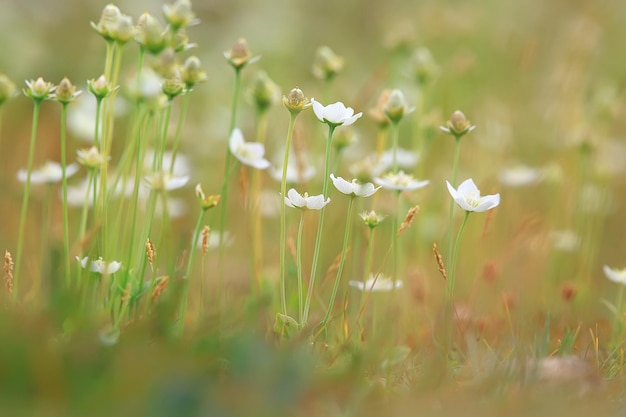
point(468, 197)
point(378, 283)
point(100, 266)
point(248, 153)
point(49, 173)
point(296, 200)
point(400, 181)
point(336, 114)
point(353, 188)
point(615, 275)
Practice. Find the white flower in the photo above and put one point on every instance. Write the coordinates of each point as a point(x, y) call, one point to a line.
point(615, 275)
point(248, 153)
point(353, 188)
point(314, 202)
point(467, 196)
point(519, 175)
point(564, 240)
point(335, 114)
point(400, 181)
point(404, 159)
point(100, 266)
point(376, 283)
point(165, 181)
point(49, 173)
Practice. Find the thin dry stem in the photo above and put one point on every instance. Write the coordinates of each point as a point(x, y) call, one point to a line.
point(408, 219)
point(160, 287)
point(440, 264)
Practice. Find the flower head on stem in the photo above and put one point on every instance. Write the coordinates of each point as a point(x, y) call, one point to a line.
point(336, 114)
point(295, 101)
point(458, 125)
point(303, 201)
point(400, 182)
point(39, 89)
point(468, 197)
point(326, 64)
point(396, 106)
point(248, 153)
point(240, 55)
point(353, 188)
point(179, 14)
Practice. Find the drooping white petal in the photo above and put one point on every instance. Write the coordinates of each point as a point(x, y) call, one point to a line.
point(342, 185)
point(317, 202)
point(615, 275)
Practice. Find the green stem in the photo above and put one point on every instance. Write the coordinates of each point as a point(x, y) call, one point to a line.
point(394, 145)
point(455, 166)
point(179, 129)
point(91, 176)
point(368, 264)
point(185, 296)
point(255, 208)
point(66, 231)
point(299, 268)
point(283, 214)
point(455, 254)
point(20, 236)
point(320, 227)
point(346, 238)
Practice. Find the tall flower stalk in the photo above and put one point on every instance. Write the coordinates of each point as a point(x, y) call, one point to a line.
point(334, 115)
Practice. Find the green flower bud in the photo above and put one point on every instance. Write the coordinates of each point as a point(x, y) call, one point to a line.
point(39, 90)
point(458, 125)
point(295, 102)
point(7, 89)
point(264, 92)
point(100, 88)
point(90, 158)
point(326, 63)
point(173, 86)
point(239, 55)
point(396, 106)
point(371, 218)
point(66, 92)
point(180, 41)
point(179, 14)
point(113, 25)
point(192, 73)
point(150, 34)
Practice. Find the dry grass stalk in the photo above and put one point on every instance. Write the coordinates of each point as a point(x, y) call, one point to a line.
point(332, 269)
point(440, 264)
point(150, 252)
point(160, 287)
point(205, 240)
point(408, 219)
point(126, 296)
point(8, 271)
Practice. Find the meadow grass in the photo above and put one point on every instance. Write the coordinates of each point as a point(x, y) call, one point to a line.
point(215, 256)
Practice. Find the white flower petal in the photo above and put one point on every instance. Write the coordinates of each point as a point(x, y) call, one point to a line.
point(615, 275)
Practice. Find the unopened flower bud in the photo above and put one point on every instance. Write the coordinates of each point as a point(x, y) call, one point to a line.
point(239, 55)
point(179, 14)
point(39, 90)
point(173, 86)
point(66, 92)
point(371, 218)
point(206, 202)
point(90, 158)
point(113, 25)
point(100, 88)
point(396, 106)
point(326, 64)
point(264, 92)
point(180, 41)
point(150, 34)
point(192, 73)
point(458, 125)
point(7, 89)
point(295, 102)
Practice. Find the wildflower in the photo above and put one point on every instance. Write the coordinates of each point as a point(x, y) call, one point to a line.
point(248, 153)
point(165, 181)
point(206, 202)
point(49, 173)
point(400, 181)
point(423, 66)
point(295, 174)
point(295, 102)
point(90, 157)
point(376, 283)
point(519, 175)
point(39, 90)
point(371, 218)
point(353, 188)
point(404, 159)
point(264, 92)
point(149, 34)
point(179, 14)
point(100, 266)
point(615, 275)
point(239, 55)
point(100, 88)
point(336, 114)
point(458, 125)
point(314, 202)
point(66, 92)
point(173, 86)
point(327, 64)
point(7, 89)
point(113, 25)
point(191, 72)
point(180, 41)
point(396, 107)
point(467, 196)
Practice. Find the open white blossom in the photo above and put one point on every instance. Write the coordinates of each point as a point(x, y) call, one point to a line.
point(165, 181)
point(468, 197)
point(296, 200)
point(400, 181)
point(100, 266)
point(376, 283)
point(404, 159)
point(519, 175)
point(615, 275)
point(49, 173)
point(248, 153)
point(336, 114)
point(353, 188)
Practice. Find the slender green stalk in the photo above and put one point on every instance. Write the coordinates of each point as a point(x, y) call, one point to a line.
point(29, 169)
point(45, 231)
point(368, 264)
point(283, 214)
point(185, 296)
point(394, 238)
point(455, 254)
point(66, 230)
point(455, 167)
point(299, 268)
point(320, 228)
point(346, 238)
point(179, 129)
point(395, 132)
point(91, 177)
point(255, 208)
